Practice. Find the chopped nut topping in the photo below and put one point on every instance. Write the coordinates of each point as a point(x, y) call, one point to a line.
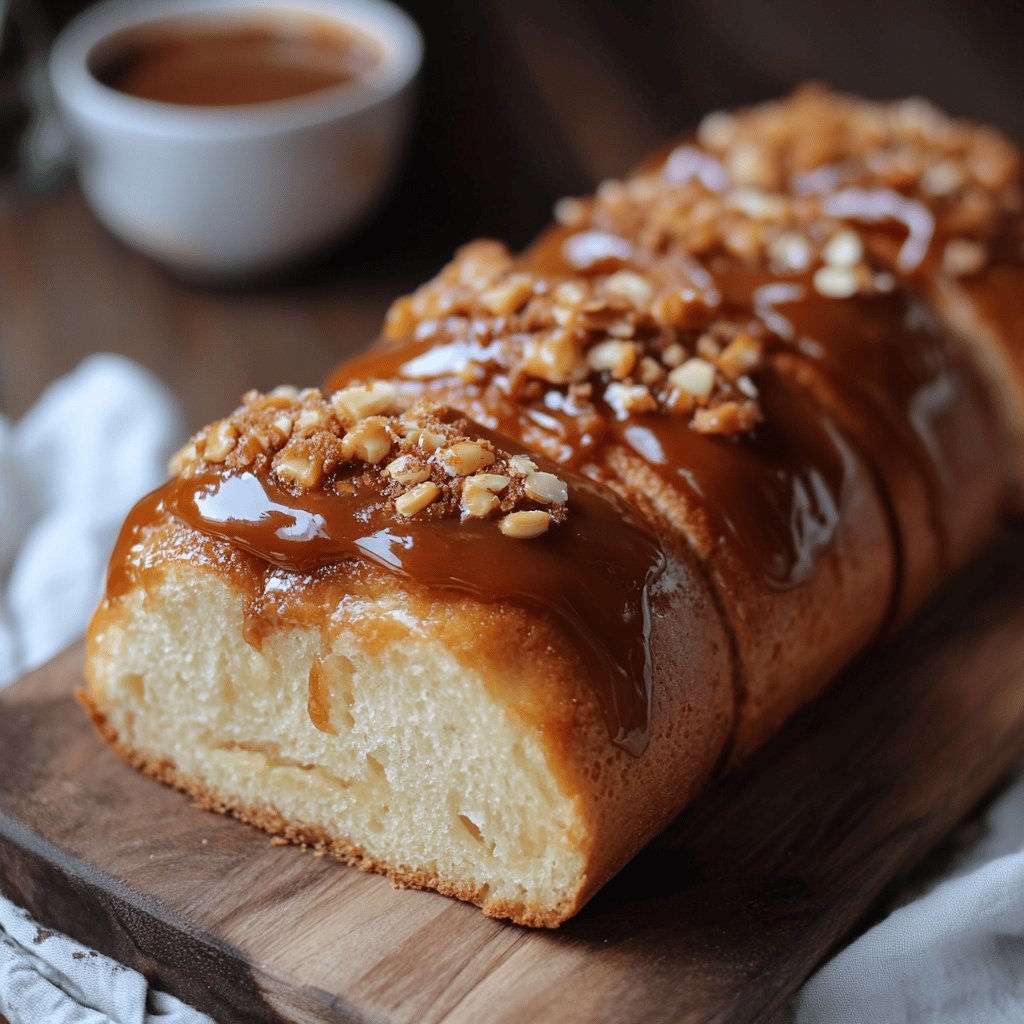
point(493, 482)
point(304, 470)
point(521, 465)
point(696, 377)
point(843, 249)
point(630, 286)
point(369, 440)
point(356, 403)
point(219, 441)
point(629, 398)
point(429, 440)
point(962, 257)
point(465, 457)
point(419, 463)
point(478, 501)
point(621, 316)
point(508, 297)
point(835, 282)
point(741, 355)
point(617, 357)
point(551, 357)
point(546, 487)
point(525, 525)
point(417, 498)
point(407, 470)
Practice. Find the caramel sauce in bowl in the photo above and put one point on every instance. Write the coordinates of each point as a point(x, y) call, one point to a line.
point(196, 64)
point(228, 138)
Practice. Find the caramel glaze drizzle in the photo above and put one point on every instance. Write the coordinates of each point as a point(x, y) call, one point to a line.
point(885, 353)
point(889, 359)
point(596, 574)
point(777, 492)
point(776, 495)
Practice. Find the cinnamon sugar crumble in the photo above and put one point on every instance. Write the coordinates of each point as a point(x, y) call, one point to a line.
point(421, 461)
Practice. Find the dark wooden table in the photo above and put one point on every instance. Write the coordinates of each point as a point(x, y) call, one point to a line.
point(68, 289)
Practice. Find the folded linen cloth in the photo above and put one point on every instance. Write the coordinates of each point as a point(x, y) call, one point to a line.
point(47, 978)
point(954, 955)
point(96, 441)
point(69, 471)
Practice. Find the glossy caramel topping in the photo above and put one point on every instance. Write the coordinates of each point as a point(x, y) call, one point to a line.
point(647, 314)
point(775, 493)
point(591, 574)
point(775, 496)
point(219, 65)
point(886, 354)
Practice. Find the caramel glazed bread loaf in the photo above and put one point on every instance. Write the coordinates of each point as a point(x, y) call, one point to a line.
point(591, 522)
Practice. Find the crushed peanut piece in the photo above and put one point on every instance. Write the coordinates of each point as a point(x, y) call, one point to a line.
point(356, 403)
point(478, 501)
point(629, 285)
point(525, 525)
point(219, 441)
point(843, 249)
point(465, 457)
point(835, 282)
point(368, 440)
point(626, 399)
point(616, 357)
point(546, 487)
point(508, 297)
point(417, 498)
point(407, 470)
point(741, 355)
point(303, 470)
point(696, 377)
point(521, 465)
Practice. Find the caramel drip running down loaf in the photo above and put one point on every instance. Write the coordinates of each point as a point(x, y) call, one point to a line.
point(591, 521)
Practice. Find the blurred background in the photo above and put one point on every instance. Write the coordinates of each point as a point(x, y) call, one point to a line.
point(520, 103)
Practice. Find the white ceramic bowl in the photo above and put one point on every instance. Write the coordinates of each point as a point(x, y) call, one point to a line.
point(231, 192)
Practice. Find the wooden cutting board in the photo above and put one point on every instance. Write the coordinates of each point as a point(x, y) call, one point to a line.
point(719, 920)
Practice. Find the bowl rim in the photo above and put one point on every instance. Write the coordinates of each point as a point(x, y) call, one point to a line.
point(79, 90)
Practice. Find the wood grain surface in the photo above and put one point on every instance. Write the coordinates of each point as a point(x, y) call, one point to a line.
point(717, 921)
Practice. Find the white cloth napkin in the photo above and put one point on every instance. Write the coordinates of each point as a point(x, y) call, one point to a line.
point(95, 442)
point(69, 471)
point(47, 978)
point(954, 955)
